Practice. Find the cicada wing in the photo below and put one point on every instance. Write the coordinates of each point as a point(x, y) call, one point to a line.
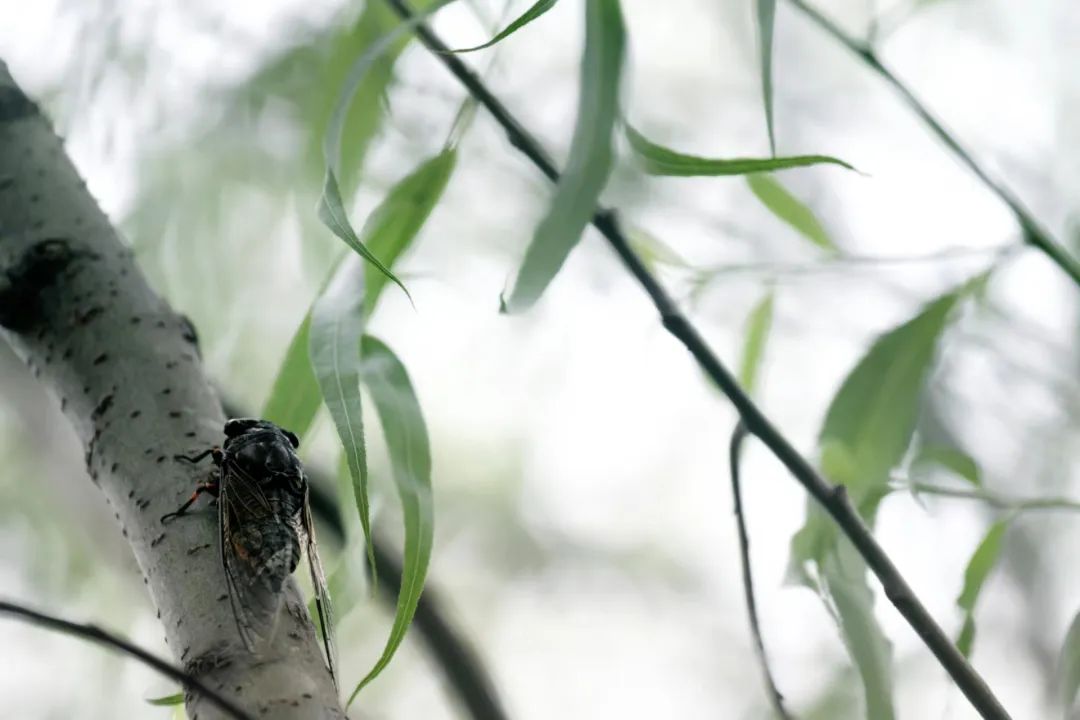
point(258, 553)
point(322, 593)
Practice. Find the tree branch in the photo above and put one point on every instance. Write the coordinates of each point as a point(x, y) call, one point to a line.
point(103, 637)
point(735, 453)
point(833, 499)
point(1034, 233)
point(125, 369)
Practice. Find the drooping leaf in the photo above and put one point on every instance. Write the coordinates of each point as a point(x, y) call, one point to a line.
point(978, 569)
point(652, 250)
point(535, 11)
point(952, 459)
point(391, 228)
point(410, 456)
point(295, 398)
point(873, 415)
point(659, 160)
point(337, 322)
point(757, 332)
point(789, 209)
point(590, 159)
point(867, 430)
point(331, 208)
point(845, 577)
point(167, 700)
point(766, 14)
point(1068, 669)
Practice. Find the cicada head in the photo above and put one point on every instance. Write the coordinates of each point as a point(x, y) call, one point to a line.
point(241, 426)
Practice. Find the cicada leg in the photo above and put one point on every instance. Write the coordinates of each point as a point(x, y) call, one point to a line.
point(211, 487)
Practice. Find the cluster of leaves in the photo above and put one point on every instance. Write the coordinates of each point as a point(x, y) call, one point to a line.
point(869, 429)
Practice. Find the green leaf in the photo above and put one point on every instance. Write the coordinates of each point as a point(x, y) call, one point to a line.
point(295, 398)
point(952, 459)
point(659, 160)
point(873, 415)
point(331, 209)
point(652, 250)
point(590, 160)
point(391, 228)
point(757, 332)
point(537, 9)
point(167, 700)
point(845, 578)
point(1068, 669)
point(978, 569)
point(410, 457)
point(766, 13)
point(790, 209)
point(337, 322)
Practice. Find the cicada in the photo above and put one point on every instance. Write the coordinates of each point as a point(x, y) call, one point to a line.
point(264, 521)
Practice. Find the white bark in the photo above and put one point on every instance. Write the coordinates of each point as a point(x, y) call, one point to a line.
point(126, 371)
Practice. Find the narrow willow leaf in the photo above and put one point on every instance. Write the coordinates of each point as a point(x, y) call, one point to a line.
point(167, 700)
point(978, 569)
point(391, 228)
point(337, 322)
point(537, 9)
point(873, 415)
point(766, 14)
point(952, 459)
point(845, 578)
point(1068, 669)
point(331, 208)
point(757, 332)
point(789, 209)
point(295, 398)
point(410, 456)
point(652, 250)
point(590, 155)
point(659, 160)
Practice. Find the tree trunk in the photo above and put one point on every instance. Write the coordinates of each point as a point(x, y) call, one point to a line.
point(126, 371)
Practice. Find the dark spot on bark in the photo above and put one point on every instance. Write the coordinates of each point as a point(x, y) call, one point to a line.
point(24, 287)
point(149, 451)
point(63, 404)
point(222, 598)
point(102, 407)
point(170, 364)
point(188, 331)
point(34, 197)
point(190, 434)
point(86, 389)
point(114, 293)
point(160, 324)
point(184, 653)
point(166, 391)
point(306, 695)
point(6, 182)
point(238, 688)
point(131, 494)
point(197, 548)
point(160, 459)
point(136, 320)
point(101, 358)
point(142, 503)
point(82, 317)
point(155, 541)
point(175, 414)
point(115, 467)
point(135, 413)
point(14, 105)
point(123, 531)
point(68, 353)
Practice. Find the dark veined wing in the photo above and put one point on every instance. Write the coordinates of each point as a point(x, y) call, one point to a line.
point(322, 594)
point(258, 551)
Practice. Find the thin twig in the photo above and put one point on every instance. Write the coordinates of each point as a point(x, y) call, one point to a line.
point(1033, 232)
point(103, 637)
point(735, 452)
point(994, 500)
point(832, 498)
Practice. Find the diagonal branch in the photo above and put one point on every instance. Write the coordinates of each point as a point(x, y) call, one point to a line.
point(1034, 233)
point(103, 637)
point(734, 455)
point(833, 499)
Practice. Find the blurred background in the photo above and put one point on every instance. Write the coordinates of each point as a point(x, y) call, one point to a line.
point(585, 542)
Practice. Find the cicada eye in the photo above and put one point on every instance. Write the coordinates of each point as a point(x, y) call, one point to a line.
point(292, 438)
point(239, 426)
